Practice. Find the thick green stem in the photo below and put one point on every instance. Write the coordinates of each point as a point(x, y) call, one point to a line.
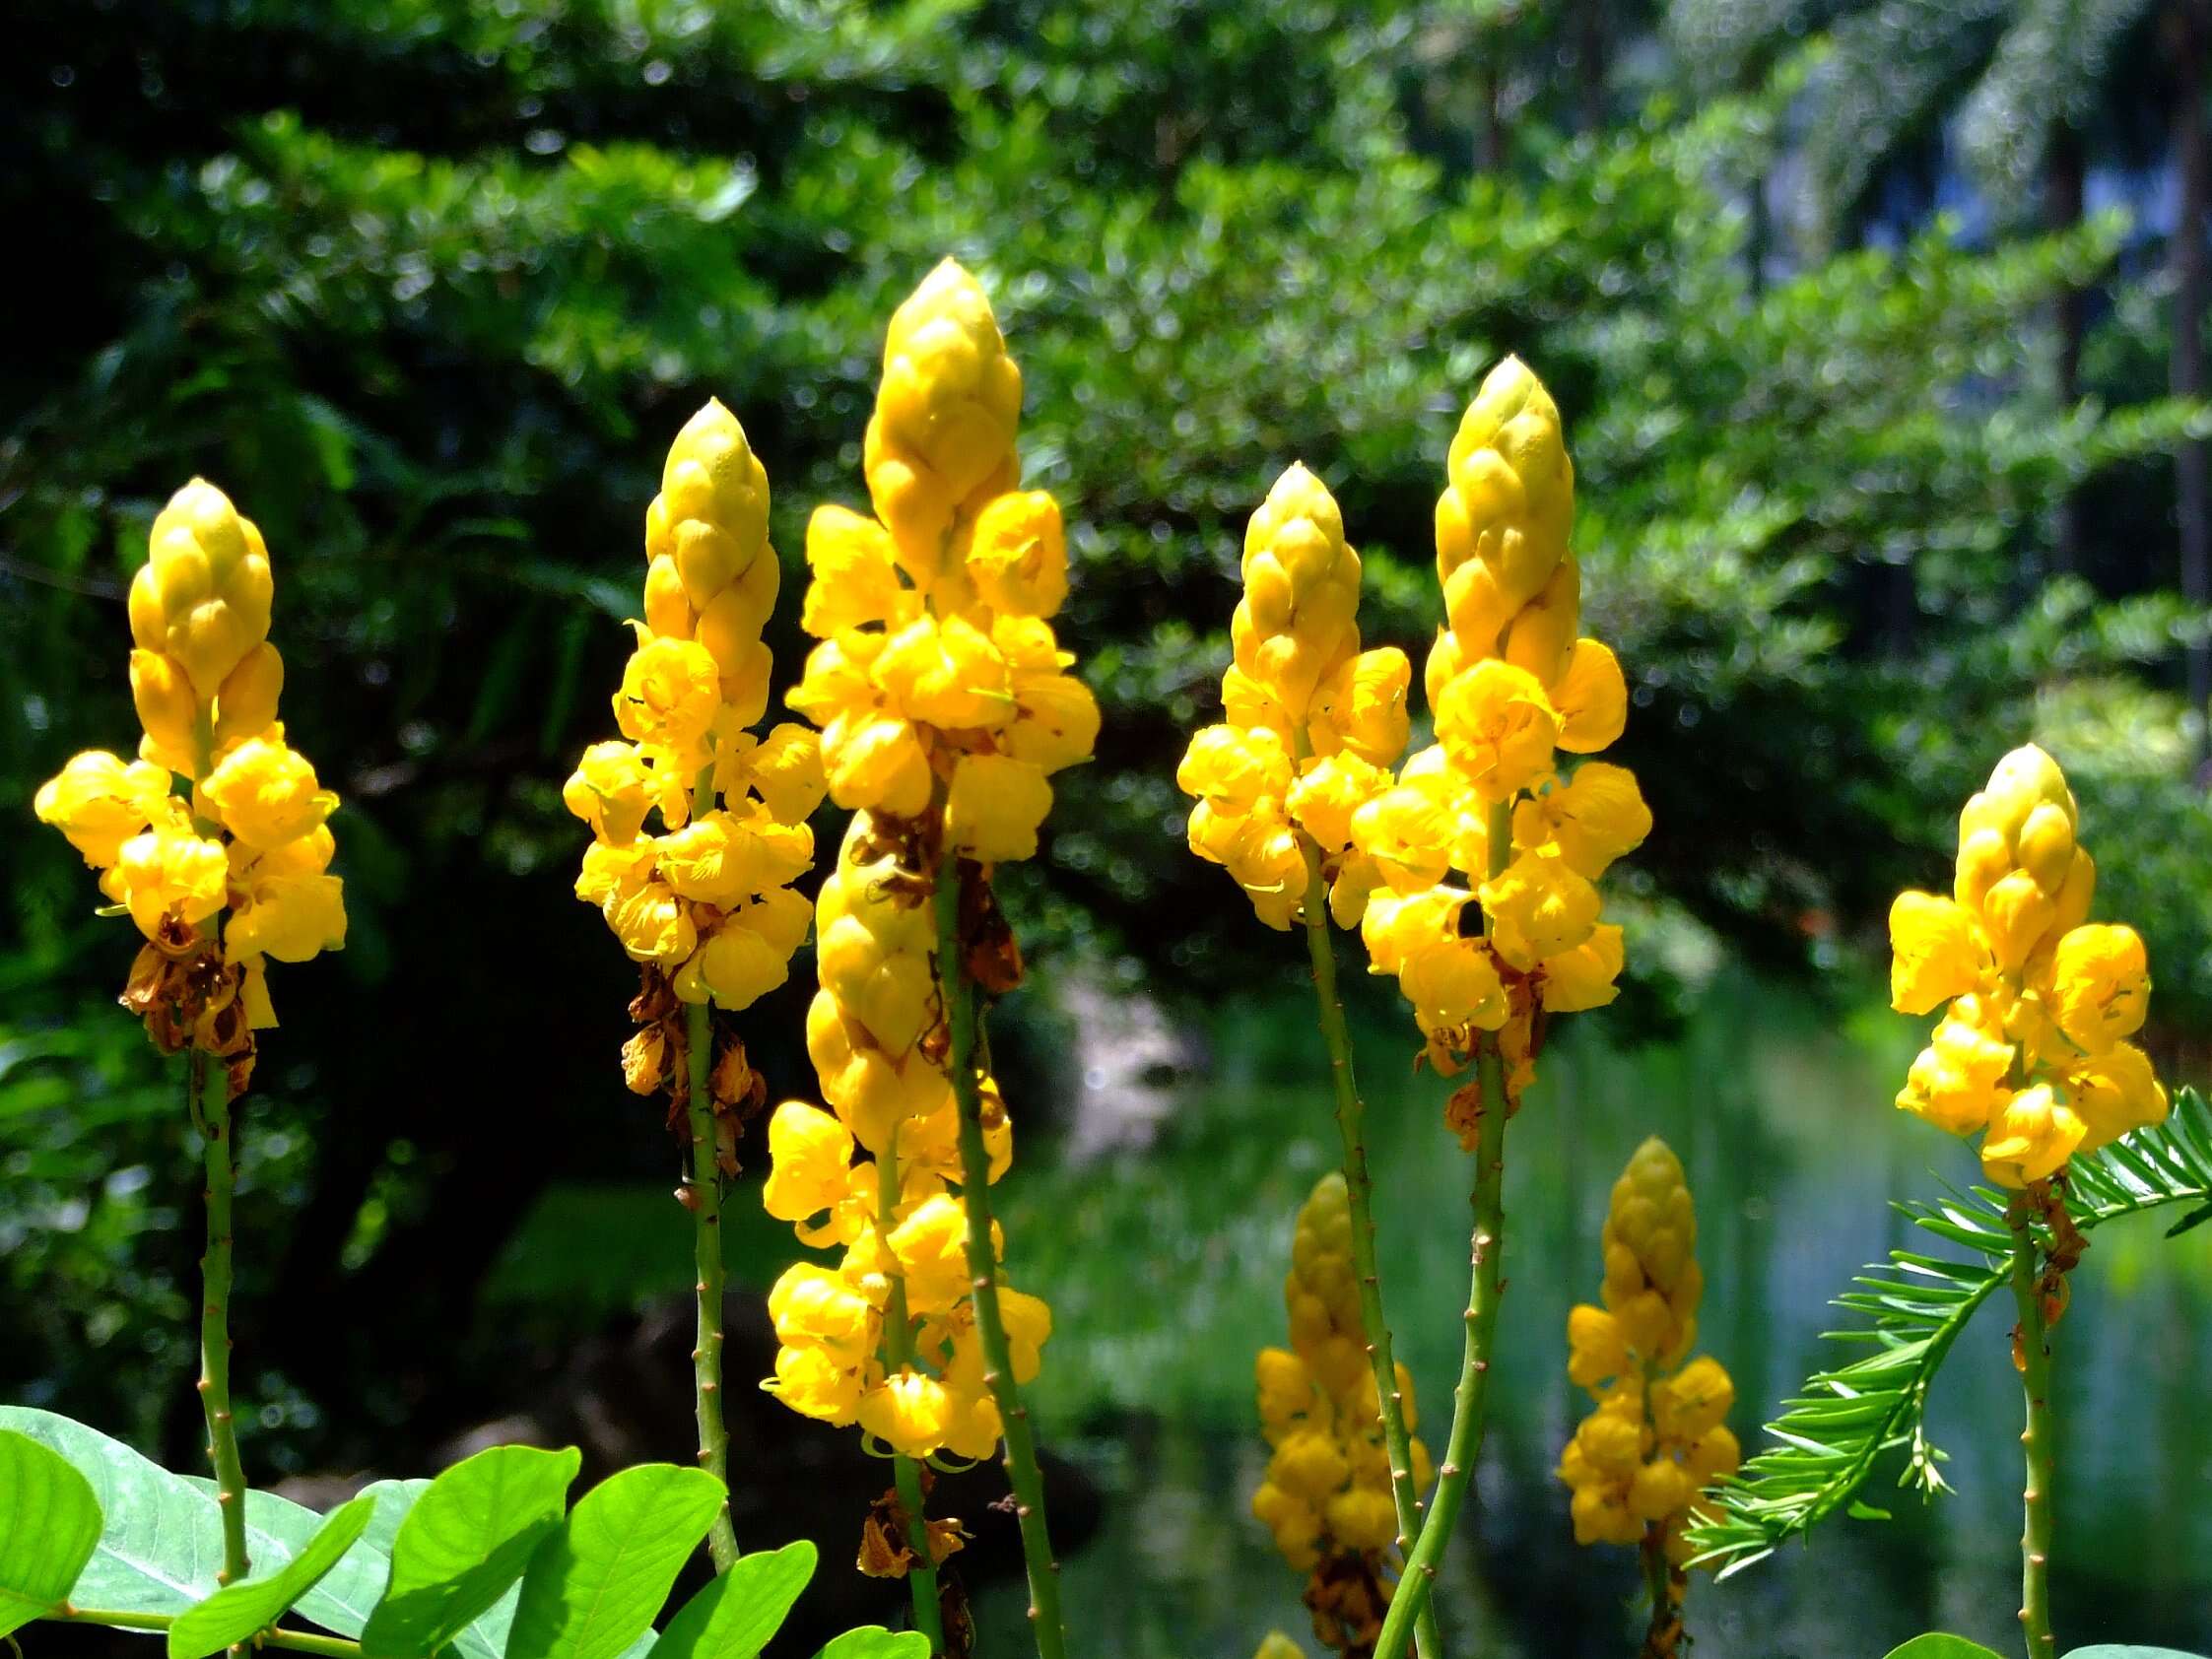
point(2033, 1339)
point(899, 1352)
point(706, 1237)
point(1359, 1186)
point(1662, 1580)
point(208, 1098)
point(1022, 1470)
point(1464, 1443)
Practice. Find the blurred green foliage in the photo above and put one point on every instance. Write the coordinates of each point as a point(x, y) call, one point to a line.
point(428, 285)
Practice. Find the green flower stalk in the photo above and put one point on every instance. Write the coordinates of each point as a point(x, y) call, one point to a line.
point(219, 878)
point(704, 904)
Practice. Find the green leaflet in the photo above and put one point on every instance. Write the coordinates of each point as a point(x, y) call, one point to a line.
point(236, 1611)
point(737, 1612)
point(873, 1642)
point(596, 1581)
point(49, 1525)
point(1828, 1437)
point(468, 1537)
point(161, 1541)
point(1937, 1646)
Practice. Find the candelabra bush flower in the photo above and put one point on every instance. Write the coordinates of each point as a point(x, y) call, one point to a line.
point(1327, 1497)
point(1313, 724)
point(945, 705)
point(1656, 1438)
point(2032, 1054)
point(219, 879)
point(703, 905)
point(1490, 819)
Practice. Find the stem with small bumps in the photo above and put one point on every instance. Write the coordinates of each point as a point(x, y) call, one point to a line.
point(898, 1354)
point(208, 1099)
point(1464, 1442)
point(1359, 1186)
point(1022, 1470)
point(2032, 1351)
point(706, 1236)
point(1662, 1579)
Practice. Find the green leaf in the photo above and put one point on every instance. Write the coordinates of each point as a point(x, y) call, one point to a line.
point(2117, 1650)
point(1830, 1436)
point(161, 1541)
point(1936, 1645)
point(236, 1611)
point(277, 1530)
point(49, 1525)
point(468, 1537)
point(595, 1582)
point(737, 1612)
point(873, 1642)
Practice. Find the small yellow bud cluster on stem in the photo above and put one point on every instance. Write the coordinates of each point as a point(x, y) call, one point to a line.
point(2031, 1051)
point(1312, 723)
point(1326, 1496)
point(238, 871)
point(1657, 1439)
point(707, 902)
point(886, 1338)
point(1512, 685)
point(938, 674)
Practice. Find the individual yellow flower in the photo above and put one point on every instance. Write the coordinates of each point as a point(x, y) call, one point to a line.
point(266, 793)
point(1657, 1438)
point(2031, 1048)
point(671, 691)
point(99, 802)
point(168, 873)
point(1498, 727)
point(1018, 556)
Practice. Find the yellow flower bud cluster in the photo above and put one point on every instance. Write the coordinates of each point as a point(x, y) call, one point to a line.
point(1328, 1491)
point(2031, 1049)
point(887, 1337)
point(241, 868)
point(1656, 1438)
point(707, 900)
point(1312, 723)
point(1510, 685)
point(938, 674)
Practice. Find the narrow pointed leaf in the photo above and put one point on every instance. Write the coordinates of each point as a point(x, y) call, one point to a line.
point(737, 1612)
point(596, 1580)
point(238, 1611)
point(49, 1526)
point(468, 1537)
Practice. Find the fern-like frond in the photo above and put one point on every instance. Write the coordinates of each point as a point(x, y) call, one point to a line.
point(1828, 1437)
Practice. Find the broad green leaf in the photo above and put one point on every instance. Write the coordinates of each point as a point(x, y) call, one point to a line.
point(2117, 1650)
point(278, 1529)
point(737, 1612)
point(1937, 1646)
point(873, 1642)
point(468, 1537)
point(595, 1582)
point(160, 1542)
point(236, 1611)
point(49, 1526)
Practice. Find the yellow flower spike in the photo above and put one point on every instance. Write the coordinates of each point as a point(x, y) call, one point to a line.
point(218, 879)
point(1503, 523)
point(202, 597)
point(1297, 624)
point(2031, 1049)
point(943, 428)
point(1655, 1440)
